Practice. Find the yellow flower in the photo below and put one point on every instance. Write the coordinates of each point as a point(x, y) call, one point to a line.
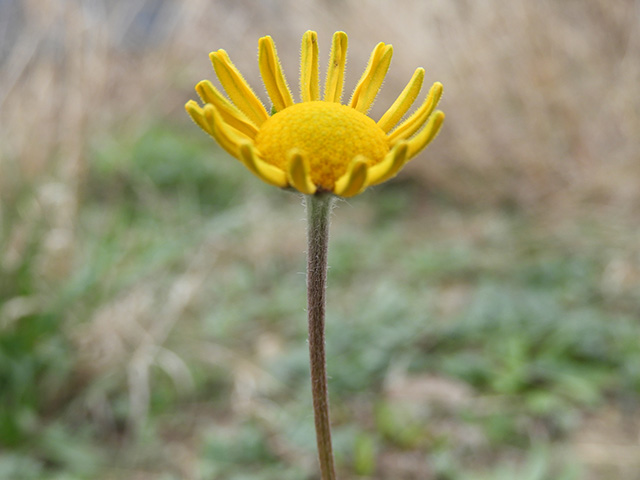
point(317, 145)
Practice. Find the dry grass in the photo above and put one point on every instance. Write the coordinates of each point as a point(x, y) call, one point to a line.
point(542, 101)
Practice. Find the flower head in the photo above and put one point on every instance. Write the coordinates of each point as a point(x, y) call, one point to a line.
point(318, 145)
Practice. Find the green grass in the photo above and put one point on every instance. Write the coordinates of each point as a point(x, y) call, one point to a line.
point(187, 278)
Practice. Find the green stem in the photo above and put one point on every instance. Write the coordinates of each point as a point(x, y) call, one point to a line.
point(318, 210)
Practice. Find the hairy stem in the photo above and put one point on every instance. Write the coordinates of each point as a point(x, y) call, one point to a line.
point(318, 210)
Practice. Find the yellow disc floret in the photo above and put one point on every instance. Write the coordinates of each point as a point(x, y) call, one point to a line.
point(329, 135)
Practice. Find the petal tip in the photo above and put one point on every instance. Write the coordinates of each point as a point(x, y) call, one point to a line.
point(299, 173)
point(264, 171)
point(354, 181)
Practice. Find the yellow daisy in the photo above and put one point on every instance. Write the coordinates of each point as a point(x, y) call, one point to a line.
point(318, 145)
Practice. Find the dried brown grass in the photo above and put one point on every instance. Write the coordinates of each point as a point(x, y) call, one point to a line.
point(542, 101)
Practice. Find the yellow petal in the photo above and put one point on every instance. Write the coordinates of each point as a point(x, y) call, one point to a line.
point(299, 173)
point(237, 88)
point(229, 112)
point(228, 137)
point(272, 74)
point(335, 73)
point(428, 133)
point(412, 124)
point(261, 169)
point(403, 102)
point(372, 78)
point(389, 166)
point(354, 180)
point(309, 85)
point(197, 115)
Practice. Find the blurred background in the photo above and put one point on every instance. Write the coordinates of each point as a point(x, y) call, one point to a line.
point(483, 318)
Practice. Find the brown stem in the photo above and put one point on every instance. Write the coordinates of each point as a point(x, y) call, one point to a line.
point(318, 209)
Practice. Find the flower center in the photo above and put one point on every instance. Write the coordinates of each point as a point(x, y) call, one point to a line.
point(329, 135)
